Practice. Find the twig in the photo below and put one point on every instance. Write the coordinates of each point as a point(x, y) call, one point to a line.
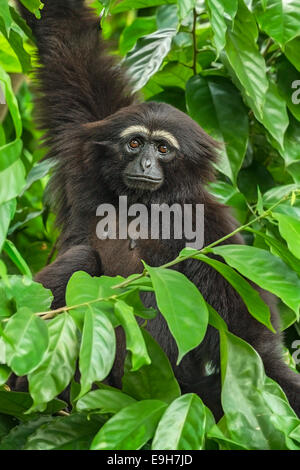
point(195, 50)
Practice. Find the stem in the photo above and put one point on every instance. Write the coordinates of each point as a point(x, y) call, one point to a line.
point(194, 42)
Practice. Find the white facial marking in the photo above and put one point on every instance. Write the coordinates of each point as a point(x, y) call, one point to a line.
point(135, 130)
point(167, 136)
point(157, 134)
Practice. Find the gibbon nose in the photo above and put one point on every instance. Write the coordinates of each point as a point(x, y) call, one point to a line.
point(146, 163)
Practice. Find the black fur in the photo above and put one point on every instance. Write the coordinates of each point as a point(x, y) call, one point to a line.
point(84, 104)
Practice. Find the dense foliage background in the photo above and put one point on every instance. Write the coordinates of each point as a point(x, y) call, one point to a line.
point(234, 66)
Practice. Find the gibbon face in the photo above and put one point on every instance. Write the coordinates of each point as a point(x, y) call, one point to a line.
point(152, 148)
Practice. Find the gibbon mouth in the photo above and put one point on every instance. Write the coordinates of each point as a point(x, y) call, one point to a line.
point(142, 182)
point(147, 179)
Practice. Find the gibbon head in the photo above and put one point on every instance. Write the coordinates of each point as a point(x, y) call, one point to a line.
point(151, 148)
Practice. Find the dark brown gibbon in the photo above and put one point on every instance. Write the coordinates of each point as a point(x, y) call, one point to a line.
point(108, 144)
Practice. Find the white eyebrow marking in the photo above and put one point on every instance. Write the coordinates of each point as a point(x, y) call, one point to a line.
point(158, 133)
point(167, 136)
point(135, 129)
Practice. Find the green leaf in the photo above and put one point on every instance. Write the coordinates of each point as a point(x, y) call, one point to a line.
point(38, 172)
point(131, 427)
point(279, 19)
point(219, 12)
point(134, 338)
point(155, 380)
point(12, 104)
point(104, 401)
point(5, 372)
point(12, 181)
point(251, 400)
point(264, 269)
point(176, 298)
point(17, 403)
point(74, 432)
point(10, 153)
point(7, 210)
point(126, 5)
point(167, 17)
point(182, 426)
point(274, 115)
point(23, 354)
point(16, 43)
point(34, 6)
point(17, 437)
point(292, 52)
point(27, 293)
point(58, 367)
point(138, 28)
point(279, 249)
point(147, 56)
point(217, 106)
point(231, 196)
point(289, 229)
point(245, 58)
point(17, 258)
point(5, 16)
point(250, 296)
point(97, 350)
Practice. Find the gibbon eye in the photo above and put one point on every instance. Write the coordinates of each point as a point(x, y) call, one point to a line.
point(134, 144)
point(162, 148)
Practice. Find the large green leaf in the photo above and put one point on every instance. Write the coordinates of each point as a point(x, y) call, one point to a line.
point(97, 350)
point(138, 28)
point(250, 296)
point(176, 298)
point(10, 153)
point(182, 426)
point(244, 56)
point(155, 380)
point(17, 437)
point(58, 367)
point(264, 269)
point(251, 401)
point(219, 12)
point(27, 293)
point(217, 106)
point(292, 52)
point(278, 248)
point(17, 403)
point(74, 432)
point(131, 428)
point(289, 229)
point(23, 354)
point(104, 401)
point(280, 19)
point(134, 339)
point(5, 16)
point(147, 56)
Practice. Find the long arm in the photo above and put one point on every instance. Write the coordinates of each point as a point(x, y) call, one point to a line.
point(78, 82)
